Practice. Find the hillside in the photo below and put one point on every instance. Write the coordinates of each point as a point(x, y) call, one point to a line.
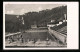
point(11, 23)
point(44, 16)
point(41, 18)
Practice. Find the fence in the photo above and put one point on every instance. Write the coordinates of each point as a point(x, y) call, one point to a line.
point(58, 35)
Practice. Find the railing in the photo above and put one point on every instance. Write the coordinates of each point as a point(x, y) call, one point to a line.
point(58, 35)
point(12, 34)
point(64, 28)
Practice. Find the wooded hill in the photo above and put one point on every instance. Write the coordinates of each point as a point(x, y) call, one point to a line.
point(41, 18)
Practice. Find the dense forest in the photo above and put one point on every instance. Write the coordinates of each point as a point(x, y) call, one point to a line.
point(41, 18)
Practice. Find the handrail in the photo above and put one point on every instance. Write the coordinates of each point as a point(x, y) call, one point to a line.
point(57, 32)
point(12, 34)
point(58, 35)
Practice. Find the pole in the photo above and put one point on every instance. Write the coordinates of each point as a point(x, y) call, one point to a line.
point(47, 40)
point(65, 16)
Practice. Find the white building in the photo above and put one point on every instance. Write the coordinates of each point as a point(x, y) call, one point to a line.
point(64, 20)
point(60, 22)
point(57, 24)
point(52, 20)
point(50, 25)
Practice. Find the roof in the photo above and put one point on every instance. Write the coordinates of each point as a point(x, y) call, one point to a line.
point(53, 22)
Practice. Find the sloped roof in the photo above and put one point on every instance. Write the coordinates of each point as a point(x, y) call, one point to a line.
point(53, 22)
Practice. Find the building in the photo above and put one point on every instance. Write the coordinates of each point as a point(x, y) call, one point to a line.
point(52, 23)
point(34, 26)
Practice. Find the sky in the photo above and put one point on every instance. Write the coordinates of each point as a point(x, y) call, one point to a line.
point(20, 9)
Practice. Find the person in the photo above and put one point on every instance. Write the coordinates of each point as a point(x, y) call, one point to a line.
point(11, 39)
point(22, 40)
point(34, 41)
point(21, 37)
point(47, 40)
point(18, 38)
